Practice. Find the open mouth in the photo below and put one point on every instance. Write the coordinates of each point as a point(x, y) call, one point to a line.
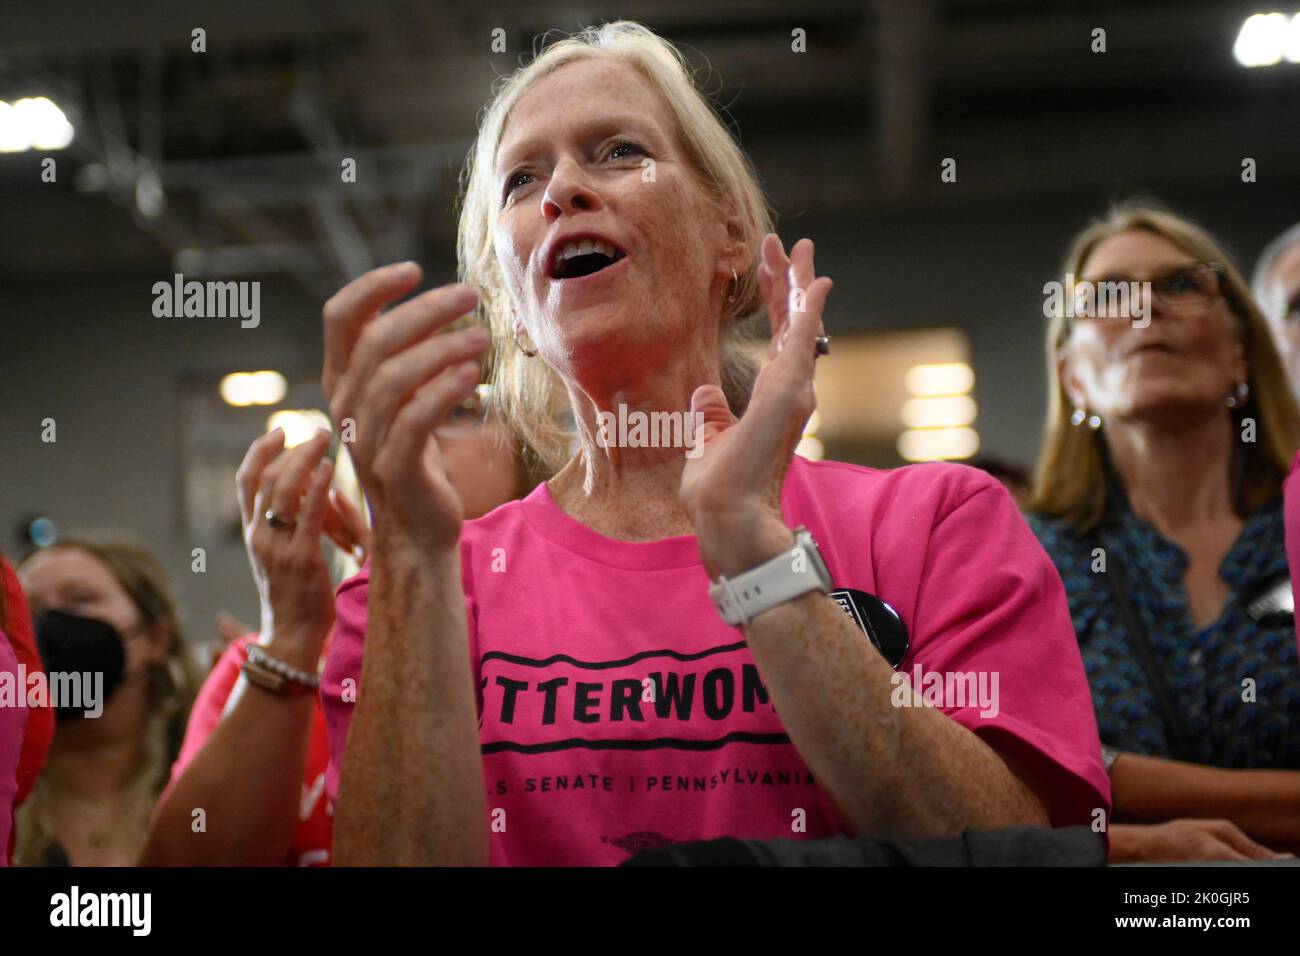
point(583, 257)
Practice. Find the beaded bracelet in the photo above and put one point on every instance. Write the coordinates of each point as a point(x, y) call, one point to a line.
point(259, 657)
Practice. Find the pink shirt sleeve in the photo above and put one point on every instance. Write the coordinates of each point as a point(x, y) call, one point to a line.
point(990, 603)
point(1291, 515)
point(342, 675)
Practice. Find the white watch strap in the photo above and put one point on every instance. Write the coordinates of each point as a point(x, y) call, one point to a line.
point(789, 575)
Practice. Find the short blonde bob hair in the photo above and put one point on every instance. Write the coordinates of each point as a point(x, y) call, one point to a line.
point(526, 390)
point(1071, 477)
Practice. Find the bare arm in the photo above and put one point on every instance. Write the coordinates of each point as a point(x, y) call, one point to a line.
point(411, 789)
point(411, 785)
point(905, 771)
point(247, 779)
point(1263, 803)
point(247, 776)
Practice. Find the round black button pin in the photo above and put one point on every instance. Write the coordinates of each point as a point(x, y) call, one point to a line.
point(878, 621)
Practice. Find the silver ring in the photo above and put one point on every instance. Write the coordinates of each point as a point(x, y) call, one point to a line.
point(276, 520)
point(823, 346)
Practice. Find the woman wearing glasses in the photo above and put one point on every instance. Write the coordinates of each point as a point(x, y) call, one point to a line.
point(1158, 495)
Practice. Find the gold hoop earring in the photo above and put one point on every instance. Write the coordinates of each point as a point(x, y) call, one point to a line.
point(735, 280)
point(529, 353)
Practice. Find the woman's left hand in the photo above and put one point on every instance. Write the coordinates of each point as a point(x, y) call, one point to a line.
point(731, 488)
point(292, 578)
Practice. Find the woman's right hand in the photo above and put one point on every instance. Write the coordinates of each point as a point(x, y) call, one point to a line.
point(390, 378)
point(1184, 841)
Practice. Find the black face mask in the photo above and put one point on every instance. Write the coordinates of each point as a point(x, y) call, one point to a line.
point(79, 645)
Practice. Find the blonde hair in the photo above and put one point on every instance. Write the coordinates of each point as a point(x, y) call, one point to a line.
point(1268, 259)
point(1071, 479)
point(527, 391)
point(172, 688)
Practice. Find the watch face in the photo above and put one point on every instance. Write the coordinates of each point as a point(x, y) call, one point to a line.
point(878, 621)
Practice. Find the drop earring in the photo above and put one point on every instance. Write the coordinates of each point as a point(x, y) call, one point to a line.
point(1237, 398)
point(735, 280)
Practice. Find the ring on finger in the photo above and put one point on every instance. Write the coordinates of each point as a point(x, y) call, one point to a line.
point(277, 520)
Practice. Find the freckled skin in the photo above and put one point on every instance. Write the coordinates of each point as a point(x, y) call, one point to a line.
point(670, 231)
point(1284, 287)
point(1208, 357)
point(645, 334)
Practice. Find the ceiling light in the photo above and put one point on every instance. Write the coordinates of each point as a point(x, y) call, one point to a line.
point(253, 388)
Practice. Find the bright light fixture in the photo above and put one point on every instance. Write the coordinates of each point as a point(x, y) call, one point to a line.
point(944, 378)
point(942, 411)
point(33, 122)
point(1291, 47)
point(253, 388)
point(932, 444)
point(299, 424)
point(937, 418)
point(1264, 39)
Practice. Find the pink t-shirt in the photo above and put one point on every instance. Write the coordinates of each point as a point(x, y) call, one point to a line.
point(617, 711)
point(1291, 518)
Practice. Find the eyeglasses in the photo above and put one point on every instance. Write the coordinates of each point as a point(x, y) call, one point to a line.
point(468, 416)
point(1185, 289)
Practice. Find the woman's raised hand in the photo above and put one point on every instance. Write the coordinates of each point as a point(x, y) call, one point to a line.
point(390, 378)
point(289, 568)
point(732, 489)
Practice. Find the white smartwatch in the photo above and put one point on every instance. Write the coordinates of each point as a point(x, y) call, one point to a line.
point(789, 575)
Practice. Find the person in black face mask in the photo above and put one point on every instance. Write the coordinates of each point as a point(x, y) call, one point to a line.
point(121, 683)
point(83, 658)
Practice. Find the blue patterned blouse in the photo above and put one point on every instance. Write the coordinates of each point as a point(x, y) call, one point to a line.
point(1205, 671)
